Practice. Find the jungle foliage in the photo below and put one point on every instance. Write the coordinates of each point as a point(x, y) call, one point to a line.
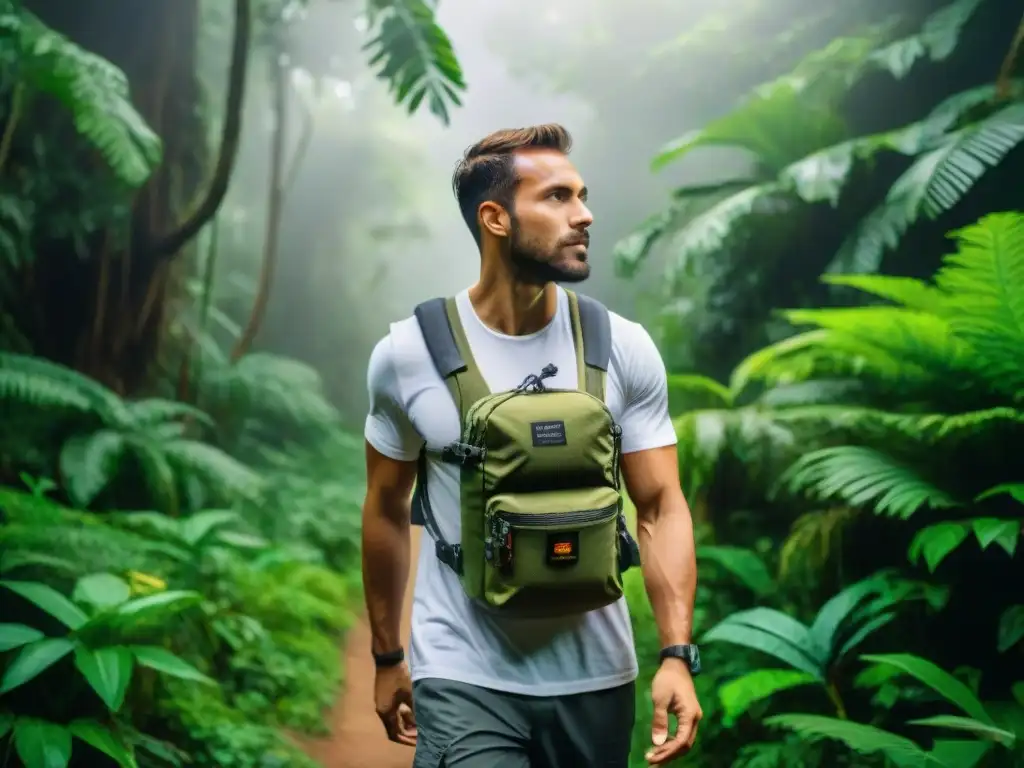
point(178, 530)
point(855, 480)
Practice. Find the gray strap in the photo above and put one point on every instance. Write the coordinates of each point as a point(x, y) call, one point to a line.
point(596, 327)
point(437, 333)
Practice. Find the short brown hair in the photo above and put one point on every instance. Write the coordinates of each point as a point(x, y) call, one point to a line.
point(486, 170)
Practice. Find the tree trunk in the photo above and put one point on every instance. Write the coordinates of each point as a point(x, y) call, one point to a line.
point(102, 311)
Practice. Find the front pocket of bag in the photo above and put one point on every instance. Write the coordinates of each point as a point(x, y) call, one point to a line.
point(552, 545)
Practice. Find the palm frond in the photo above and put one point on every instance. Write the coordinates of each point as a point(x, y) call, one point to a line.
point(935, 41)
point(934, 184)
point(416, 57)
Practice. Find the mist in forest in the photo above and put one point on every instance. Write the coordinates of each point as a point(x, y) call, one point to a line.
point(370, 224)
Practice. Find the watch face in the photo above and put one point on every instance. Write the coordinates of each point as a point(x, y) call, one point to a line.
point(694, 660)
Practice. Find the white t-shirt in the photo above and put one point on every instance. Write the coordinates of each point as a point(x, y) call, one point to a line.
point(409, 404)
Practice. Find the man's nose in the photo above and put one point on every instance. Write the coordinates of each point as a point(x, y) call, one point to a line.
point(582, 217)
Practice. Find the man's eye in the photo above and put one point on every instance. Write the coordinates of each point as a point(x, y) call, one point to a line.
point(558, 194)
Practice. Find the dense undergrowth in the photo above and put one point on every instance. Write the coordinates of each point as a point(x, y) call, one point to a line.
point(858, 494)
point(855, 601)
point(198, 633)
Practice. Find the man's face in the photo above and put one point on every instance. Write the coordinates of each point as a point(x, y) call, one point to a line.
point(550, 218)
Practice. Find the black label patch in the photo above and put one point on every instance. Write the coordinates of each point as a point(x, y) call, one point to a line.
point(548, 433)
point(563, 548)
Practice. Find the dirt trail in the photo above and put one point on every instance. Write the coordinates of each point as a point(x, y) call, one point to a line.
point(357, 737)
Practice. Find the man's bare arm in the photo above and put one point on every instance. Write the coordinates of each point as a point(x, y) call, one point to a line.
point(386, 513)
point(665, 536)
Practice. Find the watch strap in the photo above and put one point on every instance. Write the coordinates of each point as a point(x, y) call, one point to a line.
point(688, 653)
point(389, 659)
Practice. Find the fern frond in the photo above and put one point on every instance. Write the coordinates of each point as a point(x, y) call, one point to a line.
point(94, 90)
point(985, 280)
point(36, 381)
point(155, 411)
point(271, 389)
point(89, 464)
point(416, 57)
point(907, 292)
point(225, 476)
point(863, 477)
point(895, 342)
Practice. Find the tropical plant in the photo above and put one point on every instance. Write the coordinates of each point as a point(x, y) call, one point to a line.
point(944, 753)
point(105, 630)
point(813, 653)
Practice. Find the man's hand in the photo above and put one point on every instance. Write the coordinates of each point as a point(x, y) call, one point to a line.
point(672, 693)
point(393, 696)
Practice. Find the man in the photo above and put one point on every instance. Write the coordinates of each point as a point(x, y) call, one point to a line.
point(490, 691)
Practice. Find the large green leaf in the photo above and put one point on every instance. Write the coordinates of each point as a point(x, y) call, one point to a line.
point(936, 542)
point(738, 695)
point(1011, 628)
point(16, 635)
point(34, 659)
point(825, 630)
point(50, 600)
point(938, 680)
point(108, 671)
point(161, 604)
point(979, 729)
point(771, 632)
point(167, 663)
point(745, 565)
point(103, 739)
point(1014, 490)
point(101, 590)
point(864, 739)
point(416, 57)
point(199, 525)
point(40, 744)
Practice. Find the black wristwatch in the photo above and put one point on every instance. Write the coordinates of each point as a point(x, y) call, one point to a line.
point(687, 653)
point(389, 659)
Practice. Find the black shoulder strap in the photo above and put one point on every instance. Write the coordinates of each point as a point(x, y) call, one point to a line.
point(432, 317)
point(435, 321)
point(592, 337)
point(597, 332)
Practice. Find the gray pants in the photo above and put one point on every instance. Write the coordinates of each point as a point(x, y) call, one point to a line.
point(464, 726)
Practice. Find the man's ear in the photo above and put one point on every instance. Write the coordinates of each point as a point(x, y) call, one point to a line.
point(494, 219)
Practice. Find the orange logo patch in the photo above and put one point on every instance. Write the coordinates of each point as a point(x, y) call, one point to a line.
point(563, 548)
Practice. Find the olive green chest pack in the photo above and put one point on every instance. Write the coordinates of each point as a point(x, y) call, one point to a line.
point(543, 530)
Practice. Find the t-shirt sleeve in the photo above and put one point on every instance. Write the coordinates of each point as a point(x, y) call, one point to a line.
point(645, 419)
point(388, 428)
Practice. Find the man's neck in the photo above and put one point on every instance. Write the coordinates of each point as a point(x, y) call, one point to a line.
point(511, 307)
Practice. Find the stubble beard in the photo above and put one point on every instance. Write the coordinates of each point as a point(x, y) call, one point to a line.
point(536, 266)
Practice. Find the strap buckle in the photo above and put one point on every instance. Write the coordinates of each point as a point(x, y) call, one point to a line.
point(461, 453)
point(449, 554)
